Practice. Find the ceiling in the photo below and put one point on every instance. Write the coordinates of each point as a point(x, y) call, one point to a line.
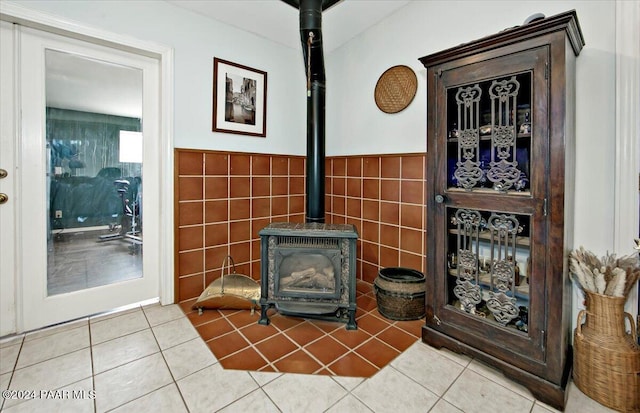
point(278, 21)
point(80, 83)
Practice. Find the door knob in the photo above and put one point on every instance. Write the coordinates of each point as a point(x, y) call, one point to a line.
point(3, 198)
point(3, 173)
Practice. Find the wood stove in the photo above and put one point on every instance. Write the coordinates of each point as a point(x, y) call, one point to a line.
point(309, 270)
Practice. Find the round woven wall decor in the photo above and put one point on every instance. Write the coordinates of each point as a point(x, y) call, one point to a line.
point(396, 89)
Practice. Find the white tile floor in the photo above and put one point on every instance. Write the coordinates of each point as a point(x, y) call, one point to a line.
point(152, 359)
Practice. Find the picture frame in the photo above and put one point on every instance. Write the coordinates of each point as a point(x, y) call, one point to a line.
point(239, 99)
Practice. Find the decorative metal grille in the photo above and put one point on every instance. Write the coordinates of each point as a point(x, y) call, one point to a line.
point(480, 289)
point(468, 172)
point(503, 229)
point(467, 287)
point(308, 242)
point(503, 168)
point(271, 270)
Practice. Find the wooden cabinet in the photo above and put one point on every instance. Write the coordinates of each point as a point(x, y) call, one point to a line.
point(500, 162)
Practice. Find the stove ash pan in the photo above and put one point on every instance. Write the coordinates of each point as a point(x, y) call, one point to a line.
point(309, 270)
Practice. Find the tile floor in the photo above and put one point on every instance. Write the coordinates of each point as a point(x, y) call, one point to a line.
point(151, 358)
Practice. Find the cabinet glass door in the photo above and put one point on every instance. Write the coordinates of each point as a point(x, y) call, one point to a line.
point(490, 200)
point(488, 152)
point(488, 265)
point(489, 135)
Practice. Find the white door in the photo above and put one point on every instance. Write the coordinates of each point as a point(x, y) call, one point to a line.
point(83, 244)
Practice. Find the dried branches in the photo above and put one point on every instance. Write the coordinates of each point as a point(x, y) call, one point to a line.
point(609, 275)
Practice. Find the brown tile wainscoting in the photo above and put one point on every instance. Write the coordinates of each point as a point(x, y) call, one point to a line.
point(224, 198)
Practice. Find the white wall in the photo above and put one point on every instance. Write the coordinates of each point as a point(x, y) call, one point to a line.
point(356, 126)
point(196, 41)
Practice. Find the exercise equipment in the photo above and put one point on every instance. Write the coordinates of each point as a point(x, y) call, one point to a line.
point(129, 224)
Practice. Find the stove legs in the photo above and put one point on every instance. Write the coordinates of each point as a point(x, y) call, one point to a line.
point(264, 319)
point(344, 315)
point(351, 324)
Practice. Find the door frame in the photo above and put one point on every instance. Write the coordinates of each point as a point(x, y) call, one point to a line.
point(29, 18)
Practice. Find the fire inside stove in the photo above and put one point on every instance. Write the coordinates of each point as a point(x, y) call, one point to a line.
point(306, 274)
point(308, 270)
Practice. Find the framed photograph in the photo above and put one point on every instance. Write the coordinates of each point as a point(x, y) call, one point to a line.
point(239, 99)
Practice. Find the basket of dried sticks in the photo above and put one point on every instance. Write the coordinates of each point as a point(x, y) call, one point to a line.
point(606, 358)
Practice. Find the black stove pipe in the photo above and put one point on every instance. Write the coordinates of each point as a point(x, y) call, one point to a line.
point(311, 37)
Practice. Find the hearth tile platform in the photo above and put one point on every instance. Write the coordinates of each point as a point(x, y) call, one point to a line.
point(308, 346)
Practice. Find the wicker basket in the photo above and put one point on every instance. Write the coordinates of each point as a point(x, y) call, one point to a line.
point(400, 293)
point(606, 360)
point(395, 89)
